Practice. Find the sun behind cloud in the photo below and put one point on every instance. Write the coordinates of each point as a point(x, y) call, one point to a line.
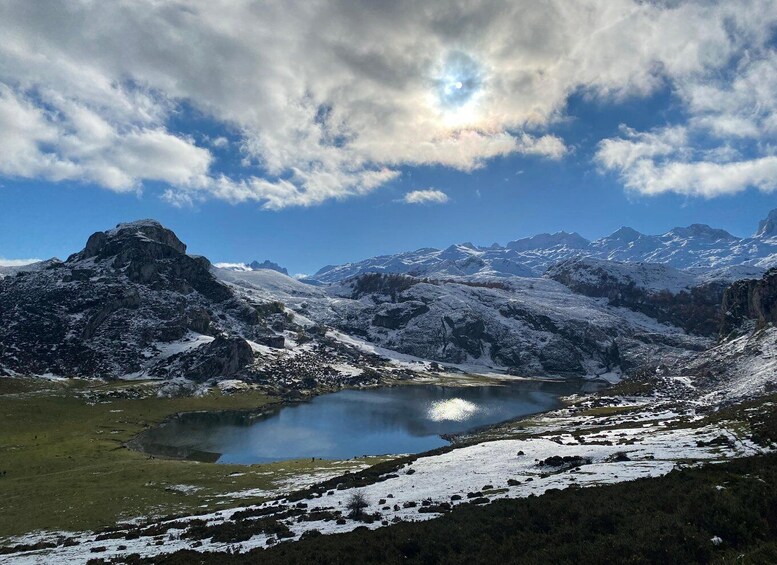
point(94, 92)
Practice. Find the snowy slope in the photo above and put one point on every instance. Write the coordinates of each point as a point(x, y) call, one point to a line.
point(695, 246)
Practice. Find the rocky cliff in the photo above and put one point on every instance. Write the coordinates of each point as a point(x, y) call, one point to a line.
point(749, 304)
point(659, 291)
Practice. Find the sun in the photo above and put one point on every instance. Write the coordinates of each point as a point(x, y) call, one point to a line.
point(458, 88)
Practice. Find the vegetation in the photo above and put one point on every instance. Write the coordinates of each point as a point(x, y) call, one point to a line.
point(64, 464)
point(356, 504)
point(716, 514)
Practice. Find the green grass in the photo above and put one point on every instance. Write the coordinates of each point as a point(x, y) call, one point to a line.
point(63, 463)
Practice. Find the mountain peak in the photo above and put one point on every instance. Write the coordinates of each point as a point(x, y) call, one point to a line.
point(267, 264)
point(544, 240)
point(625, 233)
point(768, 227)
point(702, 231)
point(110, 241)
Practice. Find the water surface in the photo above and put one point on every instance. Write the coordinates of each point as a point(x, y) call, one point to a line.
point(350, 423)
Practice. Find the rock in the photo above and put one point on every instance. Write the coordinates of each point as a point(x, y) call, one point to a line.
point(561, 463)
point(395, 316)
point(659, 291)
point(225, 356)
point(275, 341)
point(131, 302)
point(749, 301)
point(266, 264)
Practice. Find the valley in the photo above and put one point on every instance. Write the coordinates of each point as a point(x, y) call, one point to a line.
point(147, 398)
point(418, 283)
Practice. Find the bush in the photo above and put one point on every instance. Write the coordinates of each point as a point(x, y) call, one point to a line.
point(356, 504)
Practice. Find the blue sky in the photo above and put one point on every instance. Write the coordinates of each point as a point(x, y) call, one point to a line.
point(306, 155)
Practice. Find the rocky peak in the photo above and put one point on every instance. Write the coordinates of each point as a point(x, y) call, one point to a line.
point(768, 226)
point(625, 234)
point(546, 240)
point(701, 231)
point(132, 234)
point(267, 264)
point(148, 253)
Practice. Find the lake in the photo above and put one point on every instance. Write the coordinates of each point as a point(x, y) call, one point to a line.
point(351, 423)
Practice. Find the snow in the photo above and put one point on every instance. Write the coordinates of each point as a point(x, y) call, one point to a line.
point(651, 447)
point(746, 366)
point(192, 340)
point(695, 246)
point(232, 385)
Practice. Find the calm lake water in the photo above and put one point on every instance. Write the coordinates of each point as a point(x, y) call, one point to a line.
point(350, 423)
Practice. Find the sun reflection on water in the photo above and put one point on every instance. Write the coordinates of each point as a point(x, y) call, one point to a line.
point(455, 409)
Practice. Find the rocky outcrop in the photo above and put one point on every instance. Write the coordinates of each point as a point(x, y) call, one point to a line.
point(749, 303)
point(659, 291)
point(267, 264)
point(225, 356)
point(768, 226)
point(152, 255)
point(395, 316)
point(131, 302)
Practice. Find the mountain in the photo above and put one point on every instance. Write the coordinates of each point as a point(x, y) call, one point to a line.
point(767, 228)
point(689, 298)
point(134, 304)
point(128, 303)
point(253, 266)
point(527, 326)
point(697, 246)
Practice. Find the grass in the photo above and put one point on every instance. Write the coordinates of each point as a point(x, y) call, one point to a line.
point(64, 466)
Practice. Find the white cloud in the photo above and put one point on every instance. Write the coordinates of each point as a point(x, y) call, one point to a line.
point(727, 144)
point(331, 98)
point(75, 143)
point(429, 196)
point(702, 178)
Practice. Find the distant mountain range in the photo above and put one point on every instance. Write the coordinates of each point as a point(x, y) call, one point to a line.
point(253, 266)
point(134, 304)
point(696, 246)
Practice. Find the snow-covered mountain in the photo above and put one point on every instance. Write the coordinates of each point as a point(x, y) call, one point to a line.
point(527, 326)
point(697, 246)
point(133, 302)
point(252, 266)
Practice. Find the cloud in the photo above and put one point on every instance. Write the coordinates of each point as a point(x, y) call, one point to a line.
point(727, 144)
point(75, 143)
point(429, 196)
point(666, 160)
point(328, 100)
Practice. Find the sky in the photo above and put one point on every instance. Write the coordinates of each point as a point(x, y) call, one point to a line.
point(319, 132)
